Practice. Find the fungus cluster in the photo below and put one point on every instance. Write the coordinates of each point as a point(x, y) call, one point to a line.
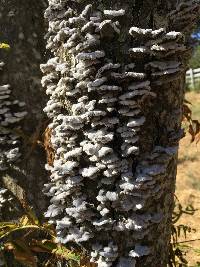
point(184, 17)
point(98, 199)
point(11, 114)
point(161, 50)
point(3, 200)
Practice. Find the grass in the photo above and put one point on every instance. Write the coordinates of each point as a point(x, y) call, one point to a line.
point(186, 158)
point(196, 88)
point(196, 111)
point(188, 183)
point(194, 98)
point(195, 181)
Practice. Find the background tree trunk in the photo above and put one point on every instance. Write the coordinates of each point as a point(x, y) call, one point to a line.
point(22, 27)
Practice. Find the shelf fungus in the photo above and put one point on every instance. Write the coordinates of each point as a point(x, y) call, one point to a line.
point(3, 198)
point(11, 114)
point(103, 187)
point(184, 17)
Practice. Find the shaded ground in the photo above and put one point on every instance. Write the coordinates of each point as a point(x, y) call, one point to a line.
point(188, 185)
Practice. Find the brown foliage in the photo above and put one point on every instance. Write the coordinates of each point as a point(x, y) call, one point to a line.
point(193, 125)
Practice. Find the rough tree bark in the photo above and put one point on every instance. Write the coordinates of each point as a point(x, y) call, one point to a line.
point(127, 222)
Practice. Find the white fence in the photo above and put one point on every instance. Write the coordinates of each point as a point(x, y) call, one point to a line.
point(193, 77)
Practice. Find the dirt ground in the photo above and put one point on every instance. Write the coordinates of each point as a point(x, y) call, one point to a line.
point(188, 186)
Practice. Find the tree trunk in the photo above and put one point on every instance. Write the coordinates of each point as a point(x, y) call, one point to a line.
point(22, 27)
point(116, 89)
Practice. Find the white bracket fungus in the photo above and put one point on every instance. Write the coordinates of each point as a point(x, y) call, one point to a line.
point(11, 114)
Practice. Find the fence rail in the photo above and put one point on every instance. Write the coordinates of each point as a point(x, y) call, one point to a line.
point(193, 77)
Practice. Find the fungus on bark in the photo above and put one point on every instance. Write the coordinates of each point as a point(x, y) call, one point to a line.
point(11, 114)
point(97, 122)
